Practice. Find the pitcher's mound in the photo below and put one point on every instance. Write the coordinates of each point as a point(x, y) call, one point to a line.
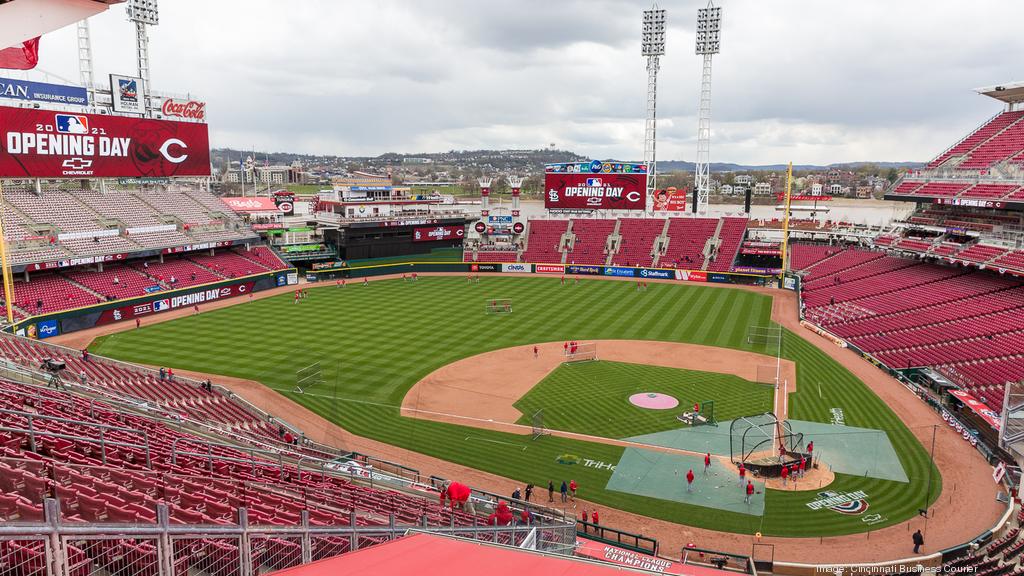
point(653, 401)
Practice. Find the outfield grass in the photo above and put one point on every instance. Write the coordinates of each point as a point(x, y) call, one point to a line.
point(593, 397)
point(379, 340)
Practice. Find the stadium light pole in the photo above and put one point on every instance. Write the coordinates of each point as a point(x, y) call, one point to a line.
point(85, 75)
point(709, 24)
point(143, 13)
point(652, 45)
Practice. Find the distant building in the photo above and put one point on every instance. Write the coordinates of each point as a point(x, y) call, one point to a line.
point(835, 189)
point(726, 189)
point(743, 179)
point(816, 189)
point(762, 189)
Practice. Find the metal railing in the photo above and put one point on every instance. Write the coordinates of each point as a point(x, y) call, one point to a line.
point(56, 548)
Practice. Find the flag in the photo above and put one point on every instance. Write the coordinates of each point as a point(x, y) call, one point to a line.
point(24, 57)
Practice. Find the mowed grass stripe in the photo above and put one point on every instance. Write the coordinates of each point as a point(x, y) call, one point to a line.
point(388, 335)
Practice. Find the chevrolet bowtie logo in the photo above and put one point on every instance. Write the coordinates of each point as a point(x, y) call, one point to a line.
point(76, 163)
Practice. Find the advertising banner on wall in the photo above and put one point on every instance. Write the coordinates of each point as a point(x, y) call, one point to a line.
point(438, 233)
point(619, 271)
point(174, 302)
point(48, 144)
point(43, 92)
point(515, 267)
point(128, 94)
point(185, 109)
point(595, 191)
point(692, 275)
point(670, 200)
point(549, 269)
point(587, 270)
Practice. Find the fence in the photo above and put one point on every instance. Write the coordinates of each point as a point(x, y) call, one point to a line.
point(56, 548)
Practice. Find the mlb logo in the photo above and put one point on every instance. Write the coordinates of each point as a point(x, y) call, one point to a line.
point(161, 305)
point(128, 89)
point(72, 123)
point(594, 182)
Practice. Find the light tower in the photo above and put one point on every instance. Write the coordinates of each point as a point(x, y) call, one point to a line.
point(516, 183)
point(485, 196)
point(652, 45)
point(85, 58)
point(143, 13)
point(709, 25)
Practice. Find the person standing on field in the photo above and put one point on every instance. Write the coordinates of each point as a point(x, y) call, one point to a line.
point(707, 463)
point(564, 491)
point(750, 492)
point(551, 490)
point(689, 480)
point(572, 489)
point(918, 541)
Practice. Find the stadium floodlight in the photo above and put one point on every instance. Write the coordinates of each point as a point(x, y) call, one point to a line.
point(709, 26)
point(653, 38)
point(652, 45)
point(143, 13)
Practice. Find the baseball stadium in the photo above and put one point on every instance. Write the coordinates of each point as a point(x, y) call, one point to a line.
point(620, 379)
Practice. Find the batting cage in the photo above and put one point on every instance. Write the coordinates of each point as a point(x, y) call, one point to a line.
point(581, 352)
point(764, 444)
point(498, 306)
point(537, 422)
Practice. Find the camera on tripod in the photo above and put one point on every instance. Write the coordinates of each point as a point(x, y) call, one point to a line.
point(52, 366)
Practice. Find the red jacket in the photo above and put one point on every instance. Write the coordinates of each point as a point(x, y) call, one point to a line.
point(750, 488)
point(572, 485)
point(707, 460)
point(689, 476)
point(785, 471)
point(595, 517)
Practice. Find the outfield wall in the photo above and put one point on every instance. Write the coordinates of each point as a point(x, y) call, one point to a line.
point(47, 325)
point(542, 269)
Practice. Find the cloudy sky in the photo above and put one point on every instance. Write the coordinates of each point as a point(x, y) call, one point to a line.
point(812, 81)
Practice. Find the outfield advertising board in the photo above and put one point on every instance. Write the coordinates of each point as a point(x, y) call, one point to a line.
point(619, 271)
point(595, 191)
point(713, 277)
point(485, 267)
point(655, 273)
point(692, 275)
point(515, 268)
point(549, 269)
point(52, 144)
point(585, 270)
point(46, 329)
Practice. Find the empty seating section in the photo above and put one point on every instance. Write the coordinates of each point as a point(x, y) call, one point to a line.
point(542, 241)
point(1011, 260)
point(986, 131)
point(178, 273)
point(803, 256)
point(843, 261)
point(228, 264)
point(1007, 143)
point(55, 292)
point(180, 205)
point(64, 224)
point(591, 238)
point(994, 191)
point(123, 206)
point(129, 283)
point(731, 236)
point(262, 255)
point(907, 187)
point(56, 208)
point(915, 245)
point(942, 189)
point(74, 288)
point(981, 253)
point(175, 396)
point(969, 322)
point(200, 483)
point(637, 242)
point(687, 238)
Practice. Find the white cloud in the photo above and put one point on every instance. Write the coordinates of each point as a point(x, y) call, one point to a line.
point(824, 81)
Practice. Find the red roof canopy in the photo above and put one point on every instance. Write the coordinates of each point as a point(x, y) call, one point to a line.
point(431, 555)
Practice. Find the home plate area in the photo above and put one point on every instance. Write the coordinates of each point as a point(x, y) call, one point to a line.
point(662, 475)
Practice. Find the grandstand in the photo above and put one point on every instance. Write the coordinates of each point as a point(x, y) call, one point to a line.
point(685, 243)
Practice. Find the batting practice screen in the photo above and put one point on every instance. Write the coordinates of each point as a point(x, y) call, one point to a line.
point(595, 191)
point(52, 144)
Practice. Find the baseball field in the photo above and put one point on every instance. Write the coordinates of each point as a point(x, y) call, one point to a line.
point(374, 343)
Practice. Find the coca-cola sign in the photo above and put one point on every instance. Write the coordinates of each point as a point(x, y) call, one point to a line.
point(189, 109)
